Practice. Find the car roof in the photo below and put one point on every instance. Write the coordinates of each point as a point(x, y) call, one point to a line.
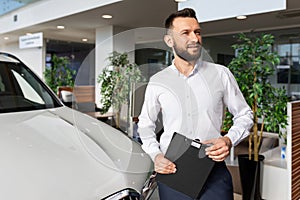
point(5, 57)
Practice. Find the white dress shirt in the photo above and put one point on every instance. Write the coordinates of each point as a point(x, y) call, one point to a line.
point(192, 106)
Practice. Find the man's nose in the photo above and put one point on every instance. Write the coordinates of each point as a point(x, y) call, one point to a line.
point(194, 37)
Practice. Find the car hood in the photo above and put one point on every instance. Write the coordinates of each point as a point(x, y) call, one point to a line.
point(63, 154)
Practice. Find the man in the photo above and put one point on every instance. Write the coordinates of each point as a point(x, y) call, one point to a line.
point(191, 95)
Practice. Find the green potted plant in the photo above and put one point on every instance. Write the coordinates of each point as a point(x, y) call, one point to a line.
point(254, 64)
point(116, 80)
point(59, 73)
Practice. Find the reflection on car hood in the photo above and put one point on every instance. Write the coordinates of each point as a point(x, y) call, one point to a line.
point(63, 154)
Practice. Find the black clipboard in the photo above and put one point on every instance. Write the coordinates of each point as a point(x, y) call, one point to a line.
point(192, 164)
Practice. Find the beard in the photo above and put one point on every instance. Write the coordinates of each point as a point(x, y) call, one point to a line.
point(185, 54)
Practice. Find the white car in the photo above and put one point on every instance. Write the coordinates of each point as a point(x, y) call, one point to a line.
point(51, 152)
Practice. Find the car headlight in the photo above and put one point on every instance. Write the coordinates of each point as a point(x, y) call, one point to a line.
point(127, 194)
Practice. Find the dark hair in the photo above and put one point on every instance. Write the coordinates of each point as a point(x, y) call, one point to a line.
point(186, 12)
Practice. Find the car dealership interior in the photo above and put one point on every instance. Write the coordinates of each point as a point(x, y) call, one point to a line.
point(81, 39)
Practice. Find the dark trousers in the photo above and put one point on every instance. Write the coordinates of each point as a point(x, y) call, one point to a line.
point(218, 187)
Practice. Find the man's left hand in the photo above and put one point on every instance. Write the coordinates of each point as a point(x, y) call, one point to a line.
point(220, 148)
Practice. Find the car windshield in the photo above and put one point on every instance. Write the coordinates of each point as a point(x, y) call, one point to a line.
point(21, 89)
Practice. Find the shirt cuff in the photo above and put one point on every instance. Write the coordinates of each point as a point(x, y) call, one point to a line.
point(235, 137)
point(154, 154)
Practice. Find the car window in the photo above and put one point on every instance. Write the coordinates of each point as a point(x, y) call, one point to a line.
point(21, 90)
point(28, 92)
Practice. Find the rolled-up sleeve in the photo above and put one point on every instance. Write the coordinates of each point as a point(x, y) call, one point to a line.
point(147, 119)
point(238, 107)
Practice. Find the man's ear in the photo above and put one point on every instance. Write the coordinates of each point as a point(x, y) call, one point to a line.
point(168, 40)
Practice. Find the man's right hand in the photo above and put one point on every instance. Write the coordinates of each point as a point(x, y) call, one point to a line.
point(163, 165)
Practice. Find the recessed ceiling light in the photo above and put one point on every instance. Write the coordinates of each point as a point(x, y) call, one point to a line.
point(180, 0)
point(28, 33)
point(6, 38)
point(241, 17)
point(60, 27)
point(84, 39)
point(106, 16)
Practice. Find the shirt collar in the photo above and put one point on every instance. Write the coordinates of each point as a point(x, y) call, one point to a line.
point(195, 70)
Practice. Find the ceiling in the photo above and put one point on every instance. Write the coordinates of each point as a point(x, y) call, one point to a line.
point(151, 13)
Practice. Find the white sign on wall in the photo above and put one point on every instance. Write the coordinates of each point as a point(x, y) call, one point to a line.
point(30, 41)
point(210, 10)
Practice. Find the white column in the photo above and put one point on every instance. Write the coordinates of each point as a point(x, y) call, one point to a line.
point(109, 39)
point(103, 47)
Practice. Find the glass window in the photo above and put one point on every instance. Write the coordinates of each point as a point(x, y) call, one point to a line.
point(289, 68)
